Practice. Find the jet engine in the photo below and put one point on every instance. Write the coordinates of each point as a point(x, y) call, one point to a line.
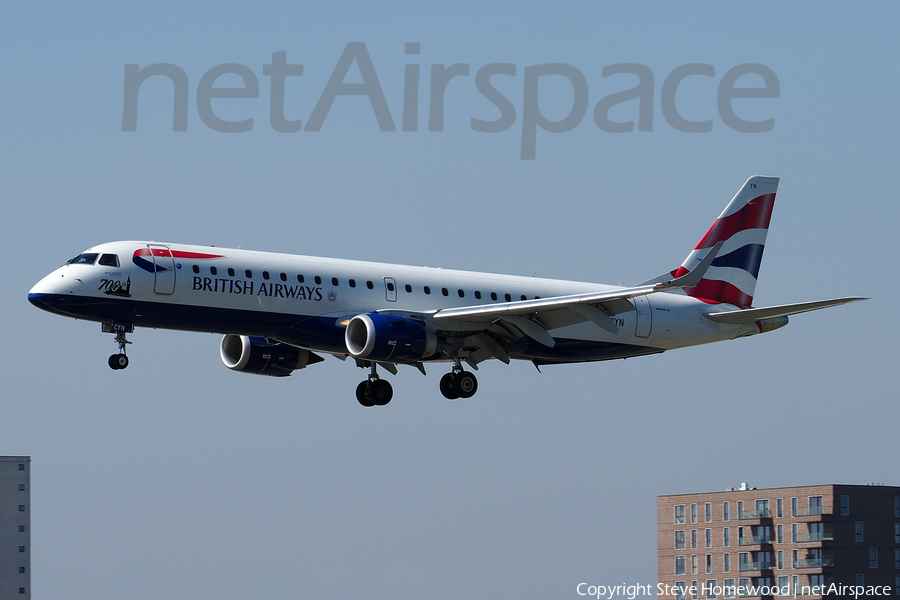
point(388, 338)
point(263, 356)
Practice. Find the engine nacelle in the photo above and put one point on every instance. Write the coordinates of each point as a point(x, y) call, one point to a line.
point(388, 338)
point(263, 356)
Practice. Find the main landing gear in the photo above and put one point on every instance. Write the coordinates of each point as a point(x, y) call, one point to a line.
point(458, 383)
point(374, 391)
point(120, 360)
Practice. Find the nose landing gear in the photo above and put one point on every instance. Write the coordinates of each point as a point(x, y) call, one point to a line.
point(120, 360)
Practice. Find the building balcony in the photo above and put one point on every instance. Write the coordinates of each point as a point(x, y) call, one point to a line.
point(754, 540)
point(814, 537)
point(813, 563)
point(747, 515)
point(755, 566)
point(813, 511)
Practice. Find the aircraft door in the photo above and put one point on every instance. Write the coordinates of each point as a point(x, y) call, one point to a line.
point(642, 316)
point(390, 289)
point(164, 269)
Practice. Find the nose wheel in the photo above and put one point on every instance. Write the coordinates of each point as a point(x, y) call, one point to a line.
point(120, 360)
point(458, 383)
point(374, 391)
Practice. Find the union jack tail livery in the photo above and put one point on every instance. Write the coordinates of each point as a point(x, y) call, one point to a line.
point(742, 227)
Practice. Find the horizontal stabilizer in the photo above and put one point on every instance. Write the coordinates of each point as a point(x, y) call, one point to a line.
point(751, 315)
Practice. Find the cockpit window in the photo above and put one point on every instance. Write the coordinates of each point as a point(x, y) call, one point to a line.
point(88, 258)
point(109, 260)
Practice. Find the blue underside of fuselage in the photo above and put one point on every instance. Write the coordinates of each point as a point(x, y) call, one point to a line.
point(318, 333)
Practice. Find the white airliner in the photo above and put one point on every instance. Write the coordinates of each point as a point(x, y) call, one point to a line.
point(277, 310)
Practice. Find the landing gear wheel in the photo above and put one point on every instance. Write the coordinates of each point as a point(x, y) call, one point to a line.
point(118, 361)
point(464, 384)
point(380, 391)
point(362, 395)
point(447, 387)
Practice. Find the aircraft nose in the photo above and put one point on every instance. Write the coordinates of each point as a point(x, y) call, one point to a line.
point(54, 284)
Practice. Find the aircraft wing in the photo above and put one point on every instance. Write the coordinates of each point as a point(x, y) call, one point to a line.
point(549, 313)
point(751, 315)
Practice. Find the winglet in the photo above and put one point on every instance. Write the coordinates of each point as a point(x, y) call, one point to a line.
point(693, 277)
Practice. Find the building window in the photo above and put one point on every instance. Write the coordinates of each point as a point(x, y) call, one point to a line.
point(708, 537)
point(780, 564)
point(21, 529)
point(693, 513)
point(679, 540)
point(694, 585)
point(779, 508)
point(693, 538)
point(860, 579)
point(815, 505)
point(794, 558)
point(793, 507)
point(897, 585)
point(693, 564)
point(21, 590)
point(21, 569)
point(726, 563)
point(744, 586)
point(708, 564)
point(682, 589)
point(680, 565)
point(897, 533)
point(726, 512)
point(21, 487)
point(897, 558)
point(783, 587)
point(710, 589)
point(859, 530)
point(708, 512)
point(793, 532)
point(740, 509)
point(728, 590)
point(873, 558)
point(21, 467)
point(780, 534)
point(679, 514)
point(726, 536)
point(845, 505)
point(21, 508)
point(816, 580)
point(896, 505)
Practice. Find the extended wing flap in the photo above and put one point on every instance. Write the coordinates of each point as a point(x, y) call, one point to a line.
point(751, 315)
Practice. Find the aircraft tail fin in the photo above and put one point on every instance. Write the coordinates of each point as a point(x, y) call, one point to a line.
point(742, 228)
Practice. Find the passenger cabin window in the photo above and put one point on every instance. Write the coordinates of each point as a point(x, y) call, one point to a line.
point(334, 281)
point(427, 290)
point(248, 273)
point(230, 272)
point(445, 292)
point(195, 269)
point(369, 285)
point(265, 274)
point(408, 288)
point(508, 297)
point(300, 278)
point(213, 271)
point(461, 293)
point(524, 297)
point(283, 276)
point(477, 294)
point(318, 279)
point(109, 260)
point(352, 283)
point(390, 286)
point(493, 295)
point(87, 258)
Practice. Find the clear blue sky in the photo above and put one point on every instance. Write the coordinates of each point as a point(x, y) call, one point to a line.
point(180, 479)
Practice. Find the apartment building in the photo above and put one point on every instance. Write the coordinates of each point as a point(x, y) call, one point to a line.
point(15, 527)
point(801, 541)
